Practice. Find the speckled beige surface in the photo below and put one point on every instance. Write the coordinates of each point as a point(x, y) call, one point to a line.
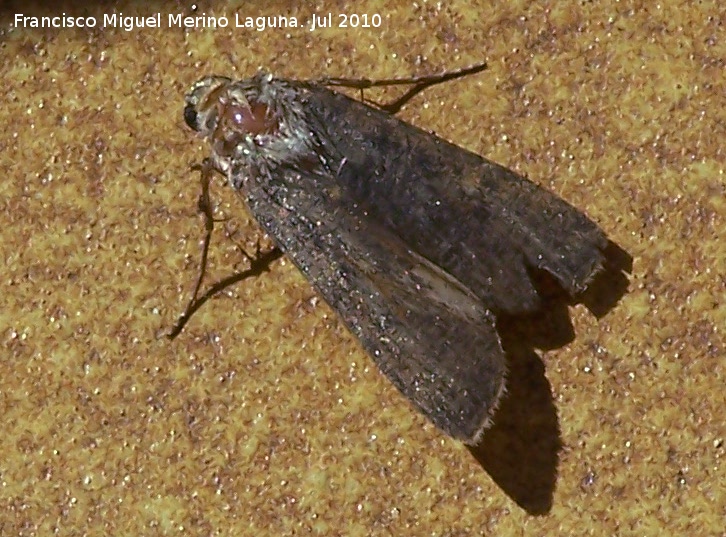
point(265, 417)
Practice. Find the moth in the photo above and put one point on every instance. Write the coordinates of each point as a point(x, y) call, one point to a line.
point(416, 243)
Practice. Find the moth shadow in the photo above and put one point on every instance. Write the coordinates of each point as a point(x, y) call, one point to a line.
point(611, 284)
point(521, 450)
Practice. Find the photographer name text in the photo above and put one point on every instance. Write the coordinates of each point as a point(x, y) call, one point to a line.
point(178, 20)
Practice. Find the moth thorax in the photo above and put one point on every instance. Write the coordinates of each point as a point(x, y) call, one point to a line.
point(254, 119)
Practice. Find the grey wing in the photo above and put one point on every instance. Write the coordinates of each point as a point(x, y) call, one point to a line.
point(483, 223)
point(427, 332)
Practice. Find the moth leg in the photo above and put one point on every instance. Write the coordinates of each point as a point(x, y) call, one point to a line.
point(428, 80)
point(252, 257)
point(395, 106)
point(204, 205)
point(258, 264)
point(419, 83)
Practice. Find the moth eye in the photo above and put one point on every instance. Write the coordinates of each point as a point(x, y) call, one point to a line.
point(190, 117)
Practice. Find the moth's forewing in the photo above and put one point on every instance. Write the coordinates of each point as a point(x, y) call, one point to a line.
point(432, 337)
point(479, 221)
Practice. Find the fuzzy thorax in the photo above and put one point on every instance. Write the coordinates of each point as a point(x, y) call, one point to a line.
point(255, 124)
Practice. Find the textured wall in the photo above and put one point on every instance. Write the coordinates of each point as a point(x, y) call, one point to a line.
point(265, 416)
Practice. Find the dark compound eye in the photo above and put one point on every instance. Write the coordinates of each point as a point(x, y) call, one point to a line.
point(190, 117)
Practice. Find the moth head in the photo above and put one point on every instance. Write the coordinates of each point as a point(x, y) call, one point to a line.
point(227, 112)
point(257, 121)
